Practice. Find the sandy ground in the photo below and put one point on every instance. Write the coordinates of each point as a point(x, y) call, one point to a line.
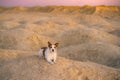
point(89, 39)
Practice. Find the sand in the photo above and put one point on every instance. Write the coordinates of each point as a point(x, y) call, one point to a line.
point(89, 39)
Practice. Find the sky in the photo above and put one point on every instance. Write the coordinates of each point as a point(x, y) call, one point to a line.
point(11, 3)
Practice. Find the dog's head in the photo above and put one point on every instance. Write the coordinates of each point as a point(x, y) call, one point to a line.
point(52, 47)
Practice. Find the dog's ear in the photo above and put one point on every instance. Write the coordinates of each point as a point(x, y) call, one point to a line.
point(49, 44)
point(56, 44)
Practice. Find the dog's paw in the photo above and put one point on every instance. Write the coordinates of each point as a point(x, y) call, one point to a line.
point(51, 62)
point(54, 62)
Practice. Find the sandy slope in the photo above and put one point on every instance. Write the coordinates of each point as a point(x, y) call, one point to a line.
point(96, 52)
point(34, 68)
point(89, 40)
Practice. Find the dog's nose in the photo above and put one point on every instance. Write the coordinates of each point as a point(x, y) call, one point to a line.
point(53, 50)
point(52, 60)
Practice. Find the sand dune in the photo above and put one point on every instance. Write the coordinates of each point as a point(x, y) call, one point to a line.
point(99, 10)
point(21, 39)
point(107, 11)
point(34, 68)
point(9, 55)
point(89, 40)
point(101, 53)
point(85, 35)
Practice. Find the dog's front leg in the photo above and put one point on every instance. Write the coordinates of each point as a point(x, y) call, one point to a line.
point(55, 57)
point(54, 60)
point(50, 61)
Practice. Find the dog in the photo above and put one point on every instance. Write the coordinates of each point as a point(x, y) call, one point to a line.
point(49, 53)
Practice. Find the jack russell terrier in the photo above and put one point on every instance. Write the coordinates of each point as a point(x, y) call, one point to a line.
point(49, 53)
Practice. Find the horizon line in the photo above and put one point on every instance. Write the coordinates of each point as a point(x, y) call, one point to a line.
point(59, 6)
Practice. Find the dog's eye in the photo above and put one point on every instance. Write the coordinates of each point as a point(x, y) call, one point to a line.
point(54, 47)
point(50, 47)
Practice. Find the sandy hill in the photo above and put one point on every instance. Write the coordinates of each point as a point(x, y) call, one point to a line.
point(107, 11)
point(34, 68)
point(89, 40)
point(96, 52)
point(99, 10)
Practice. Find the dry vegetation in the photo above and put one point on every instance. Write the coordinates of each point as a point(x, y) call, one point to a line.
point(89, 40)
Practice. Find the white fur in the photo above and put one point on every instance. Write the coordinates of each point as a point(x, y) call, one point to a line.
point(49, 54)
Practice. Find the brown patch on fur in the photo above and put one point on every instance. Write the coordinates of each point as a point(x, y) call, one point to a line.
point(56, 44)
point(44, 48)
point(49, 44)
